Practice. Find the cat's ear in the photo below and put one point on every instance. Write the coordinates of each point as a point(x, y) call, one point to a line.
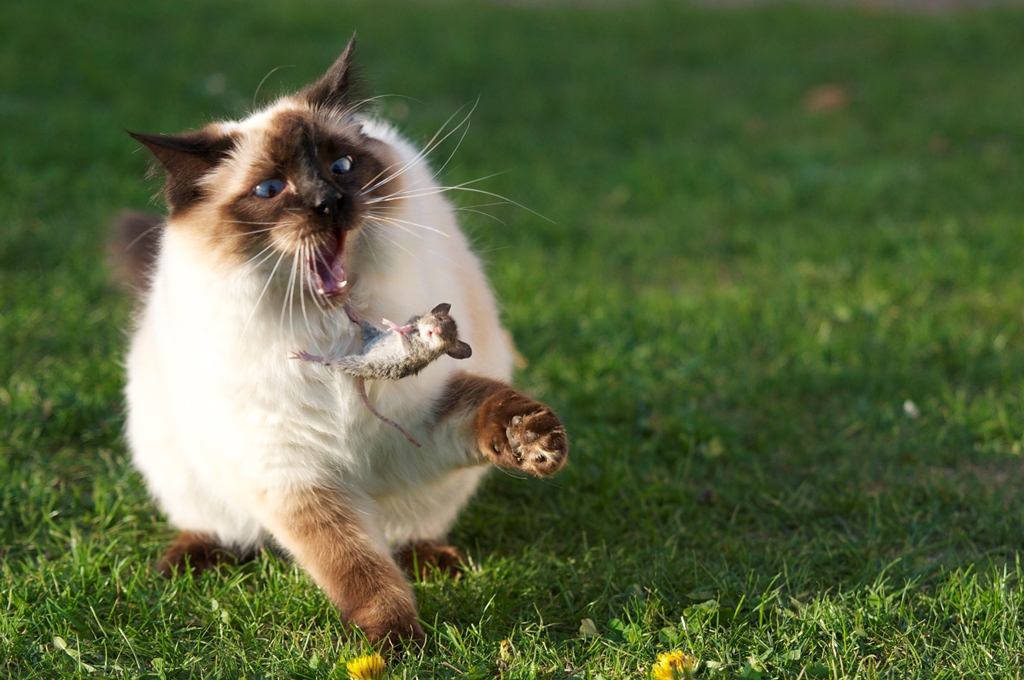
point(186, 158)
point(332, 90)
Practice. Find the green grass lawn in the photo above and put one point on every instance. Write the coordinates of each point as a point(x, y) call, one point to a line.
point(787, 339)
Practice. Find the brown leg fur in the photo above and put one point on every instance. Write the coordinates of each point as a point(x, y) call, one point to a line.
point(512, 430)
point(420, 560)
point(196, 550)
point(322, 531)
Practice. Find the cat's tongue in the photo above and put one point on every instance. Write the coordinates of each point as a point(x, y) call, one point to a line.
point(328, 271)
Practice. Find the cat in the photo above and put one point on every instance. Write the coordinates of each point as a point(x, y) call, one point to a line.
point(283, 228)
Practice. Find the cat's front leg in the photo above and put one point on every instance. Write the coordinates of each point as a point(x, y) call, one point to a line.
point(510, 429)
point(329, 533)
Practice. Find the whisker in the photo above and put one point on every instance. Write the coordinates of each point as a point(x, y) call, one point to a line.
point(493, 250)
point(472, 209)
point(364, 190)
point(288, 295)
point(372, 229)
point(430, 191)
point(310, 262)
point(269, 246)
point(243, 234)
point(368, 100)
point(272, 71)
point(503, 470)
point(263, 292)
point(466, 120)
point(485, 214)
point(311, 256)
point(144, 234)
point(480, 205)
point(397, 222)
point(406, 230)
point(428, 148)
point(473, 190)
point(302, 292)
point(485, 193)
point(322, 258)
point(296, 287)
point(382, 232)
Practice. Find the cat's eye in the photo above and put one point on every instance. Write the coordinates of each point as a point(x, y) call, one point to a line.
point(342, 165)
point(268, 188)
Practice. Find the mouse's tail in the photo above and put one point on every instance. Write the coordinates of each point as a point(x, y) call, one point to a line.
point(133, 246)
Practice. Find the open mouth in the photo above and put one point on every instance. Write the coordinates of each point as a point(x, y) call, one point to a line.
point(327, 276)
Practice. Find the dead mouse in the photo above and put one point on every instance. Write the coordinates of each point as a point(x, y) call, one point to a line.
point(399, 352)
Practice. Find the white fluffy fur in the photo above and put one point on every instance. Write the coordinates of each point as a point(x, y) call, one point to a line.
point(219, 418)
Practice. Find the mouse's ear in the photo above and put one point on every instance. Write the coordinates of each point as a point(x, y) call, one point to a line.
point(460, 350)
point(442, 308)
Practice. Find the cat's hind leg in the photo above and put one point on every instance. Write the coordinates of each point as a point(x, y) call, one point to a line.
point(200, 552)
point(423, 559)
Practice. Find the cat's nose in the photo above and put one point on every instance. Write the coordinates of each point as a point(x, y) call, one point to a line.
point(331, 206)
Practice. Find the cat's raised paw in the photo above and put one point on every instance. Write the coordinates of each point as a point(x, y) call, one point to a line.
point(518, 432)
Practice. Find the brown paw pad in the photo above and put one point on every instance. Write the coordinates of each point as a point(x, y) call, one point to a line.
point(538, 443)
point(517, 432)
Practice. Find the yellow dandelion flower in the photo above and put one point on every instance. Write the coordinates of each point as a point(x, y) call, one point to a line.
point(673, 666)
point(367, 667)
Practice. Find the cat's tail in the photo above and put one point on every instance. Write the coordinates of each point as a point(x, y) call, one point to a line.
point(133, 246)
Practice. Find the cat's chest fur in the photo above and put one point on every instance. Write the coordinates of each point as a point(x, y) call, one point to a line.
point(251, 413)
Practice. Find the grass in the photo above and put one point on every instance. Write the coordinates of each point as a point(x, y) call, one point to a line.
point(788, 343)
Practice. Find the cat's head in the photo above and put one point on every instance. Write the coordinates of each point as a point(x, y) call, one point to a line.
point(293, 183)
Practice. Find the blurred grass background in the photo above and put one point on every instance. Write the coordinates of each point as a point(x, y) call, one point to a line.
point(779, 308)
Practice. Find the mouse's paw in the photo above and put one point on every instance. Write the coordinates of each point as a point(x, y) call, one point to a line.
point(395, 328)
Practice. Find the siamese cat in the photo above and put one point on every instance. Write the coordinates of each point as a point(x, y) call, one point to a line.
point(284, 230)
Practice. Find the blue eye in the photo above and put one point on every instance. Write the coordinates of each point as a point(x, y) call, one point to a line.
point(268, 188)
point(342, 165)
